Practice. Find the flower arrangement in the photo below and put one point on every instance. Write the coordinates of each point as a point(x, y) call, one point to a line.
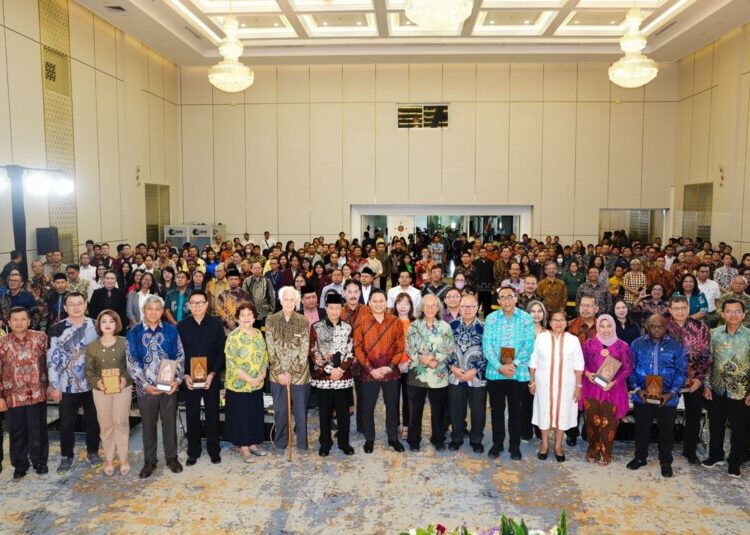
point(506, 526)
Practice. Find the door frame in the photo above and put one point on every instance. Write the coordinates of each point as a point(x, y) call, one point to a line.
point(359, 210)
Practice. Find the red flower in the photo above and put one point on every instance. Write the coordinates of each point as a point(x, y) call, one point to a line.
point(440, 528)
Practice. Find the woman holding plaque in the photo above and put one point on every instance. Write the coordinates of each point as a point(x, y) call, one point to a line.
point(608, 363)
point(106, 369)
point(556, 369)
point(246, 367)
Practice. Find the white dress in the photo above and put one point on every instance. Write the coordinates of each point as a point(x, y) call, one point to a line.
point(556, 359)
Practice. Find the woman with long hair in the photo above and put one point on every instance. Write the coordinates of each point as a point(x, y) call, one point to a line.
point(626, 328)
point(403, 308)
point(697, 299)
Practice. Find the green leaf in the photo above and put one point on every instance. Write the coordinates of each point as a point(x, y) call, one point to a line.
point(505, 525)
point(563, 529)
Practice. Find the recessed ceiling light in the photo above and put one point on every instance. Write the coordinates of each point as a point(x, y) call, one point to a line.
point(576, 22)
point(359, 23)
point(276, 24)
point(243, 25)
point(612, 22)
point(325, 24)
point(492, 22)
point(408, 22)
point(527, 22)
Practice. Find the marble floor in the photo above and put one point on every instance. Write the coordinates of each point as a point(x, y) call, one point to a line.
point(384, 492)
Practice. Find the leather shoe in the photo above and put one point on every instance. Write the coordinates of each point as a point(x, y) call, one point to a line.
point(191, 461)
point(692, 458)
point(348, 450)
point(454, 446)
point(478, 448)
point(396, 445)
point(414, 447)
point(323, 452)
point(215, 459)
point(440, 446)
point(146, 471)
point(41, 470)
point(368, 446)
point(495, 451)
point(571, 441)
point(666, 470)
point(174, 465)
point(19, 474)
point(515, 454)
point(635, 464)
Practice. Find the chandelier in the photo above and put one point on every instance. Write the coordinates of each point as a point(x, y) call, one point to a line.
point(438, 14)
point(634, 69)
point(230, 74)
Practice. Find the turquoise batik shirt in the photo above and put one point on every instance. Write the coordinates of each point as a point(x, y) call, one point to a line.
point(516, 332)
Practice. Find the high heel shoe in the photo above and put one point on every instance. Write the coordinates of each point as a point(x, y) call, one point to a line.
point(560, 457)
point(542, 456)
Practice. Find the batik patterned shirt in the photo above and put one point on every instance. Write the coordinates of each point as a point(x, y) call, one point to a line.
point(695, 337)
point(467, 351)
point(331, 347)
point(516, 331)
point(145, 350)
point(730, 374)
point(436, 340)
point(288, 347)
point(66, 356)
point(23, 369)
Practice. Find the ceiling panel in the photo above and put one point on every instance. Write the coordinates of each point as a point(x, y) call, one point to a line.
point(327, 31)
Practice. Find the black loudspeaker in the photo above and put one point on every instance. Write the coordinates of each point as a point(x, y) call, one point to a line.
point(47, 240)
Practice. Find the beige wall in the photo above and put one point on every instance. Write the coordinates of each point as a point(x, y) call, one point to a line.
point(298, 148)
point(712, 131)
point(125, 114)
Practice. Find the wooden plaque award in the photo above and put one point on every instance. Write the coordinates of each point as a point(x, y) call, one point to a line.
point(199, 371)
point(167, 371)
point(507, 355)
point(654, 389)
point(607, 371)
point(111, 380)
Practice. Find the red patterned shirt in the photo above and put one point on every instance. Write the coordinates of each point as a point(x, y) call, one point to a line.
point(378, 344)
point(23, 369)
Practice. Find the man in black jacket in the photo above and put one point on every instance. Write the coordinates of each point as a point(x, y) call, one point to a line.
point(202, 336)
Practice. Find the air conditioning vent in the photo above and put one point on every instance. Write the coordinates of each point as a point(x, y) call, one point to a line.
point(116, 9)
point(193, 32)
point(422, 115)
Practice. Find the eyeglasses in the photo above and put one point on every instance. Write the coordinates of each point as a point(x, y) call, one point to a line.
point(734, 312)
point(198, 303)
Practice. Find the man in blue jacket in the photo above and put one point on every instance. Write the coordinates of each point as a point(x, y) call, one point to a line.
point(656, 353)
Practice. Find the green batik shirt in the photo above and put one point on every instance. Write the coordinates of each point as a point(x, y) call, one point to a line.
point(730, 373)
point(423, 340)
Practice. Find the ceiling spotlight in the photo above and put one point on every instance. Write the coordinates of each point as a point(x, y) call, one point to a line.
point(359, 23)
point(243, 25)
point(527, 22)
point(492, 22)
point(325, 24)
point(276, 24)
point(408, 22)
point(612, 22)
point(576, 22)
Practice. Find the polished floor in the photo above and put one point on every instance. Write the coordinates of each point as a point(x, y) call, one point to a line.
point(384, 492)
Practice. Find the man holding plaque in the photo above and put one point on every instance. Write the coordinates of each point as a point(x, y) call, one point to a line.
point(659, 373)
point(507, 342)
point(153, 350)
point(695, 337)
point(203, 340)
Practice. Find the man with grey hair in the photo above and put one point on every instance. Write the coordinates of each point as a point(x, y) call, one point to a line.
point(288, 341)
point(148, 343)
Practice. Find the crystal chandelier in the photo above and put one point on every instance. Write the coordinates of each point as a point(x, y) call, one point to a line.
point(438, 14)
point(634, 69)
point(230, 74)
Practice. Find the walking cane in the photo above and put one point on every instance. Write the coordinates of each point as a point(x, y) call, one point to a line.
point(289, 421)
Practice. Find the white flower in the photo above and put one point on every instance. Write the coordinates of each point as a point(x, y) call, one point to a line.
point(413, 531)
point(536, 532)
point(553, 531)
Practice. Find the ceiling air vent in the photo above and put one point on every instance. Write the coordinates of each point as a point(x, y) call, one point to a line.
point(422, 115)
point(193, 32)
point(116, 9)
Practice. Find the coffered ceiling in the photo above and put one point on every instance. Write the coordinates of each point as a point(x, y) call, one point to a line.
point(340, 31)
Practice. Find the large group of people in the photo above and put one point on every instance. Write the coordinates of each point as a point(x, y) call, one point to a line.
point(567, 340)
